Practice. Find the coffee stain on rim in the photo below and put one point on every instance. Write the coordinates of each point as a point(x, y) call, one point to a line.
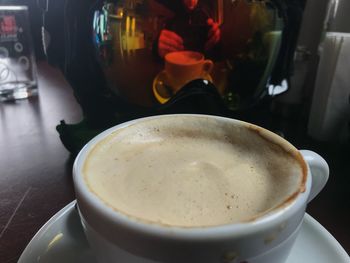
point(288, 148)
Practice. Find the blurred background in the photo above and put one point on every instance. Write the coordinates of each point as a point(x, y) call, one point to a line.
point(283, 57)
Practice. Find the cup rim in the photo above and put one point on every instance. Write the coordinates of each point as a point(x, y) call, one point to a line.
point(168, 60)
point(277, 215)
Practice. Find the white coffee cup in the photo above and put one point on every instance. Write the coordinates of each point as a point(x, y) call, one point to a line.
point(118, 237)
point(181, 67)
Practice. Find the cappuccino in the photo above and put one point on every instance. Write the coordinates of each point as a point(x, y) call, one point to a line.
point(193, 171)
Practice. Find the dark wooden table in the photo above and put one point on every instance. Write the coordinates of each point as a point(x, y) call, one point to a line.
point(36, 177)
point(35, 168)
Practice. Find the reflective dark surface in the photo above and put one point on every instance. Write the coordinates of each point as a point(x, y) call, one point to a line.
point(241, 37)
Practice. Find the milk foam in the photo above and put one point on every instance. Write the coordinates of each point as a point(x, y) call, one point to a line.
point(188, 174)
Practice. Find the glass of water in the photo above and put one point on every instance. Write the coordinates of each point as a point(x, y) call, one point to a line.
point(18, 75)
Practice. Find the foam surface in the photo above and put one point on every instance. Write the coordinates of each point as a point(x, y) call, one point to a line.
point(188, 174)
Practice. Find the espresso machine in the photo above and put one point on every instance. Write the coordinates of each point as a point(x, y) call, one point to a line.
point(112, 54)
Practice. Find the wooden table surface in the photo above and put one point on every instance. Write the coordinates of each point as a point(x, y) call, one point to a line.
point(36, 177)
point(35, 168)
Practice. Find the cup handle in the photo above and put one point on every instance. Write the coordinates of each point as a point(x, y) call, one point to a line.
point(319, 172)
point(207, 66)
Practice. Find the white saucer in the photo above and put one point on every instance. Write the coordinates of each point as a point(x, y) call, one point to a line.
point(62, 239)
